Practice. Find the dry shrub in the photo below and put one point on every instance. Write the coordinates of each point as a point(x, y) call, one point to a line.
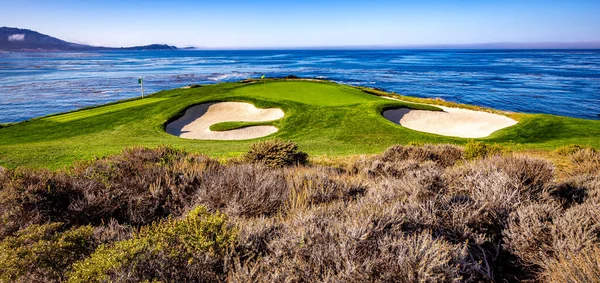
point(399, 160)
point(243, 190)
point(586, 162)
point(314, 186)
point(593, 189)
point(254, 236)
point(420, 258)
point(443, 155)
point(577, 228)
point(367, 237)
point(576, 189)
point(577, 267)
point(482, 194)
point(276, 153)
point(497, 186)
point(35, 197)
point(137, 187)
point(141, 185)
point(427, 176)
point(528, 177)
point(490, 193)
point(359, 244)
point(458, 211)
point(529, 234)
point(2, 176)
point(539, 233)
point(113, 231)
point(399, 169)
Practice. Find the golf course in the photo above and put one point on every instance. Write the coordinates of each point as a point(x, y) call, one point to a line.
point(323, 118)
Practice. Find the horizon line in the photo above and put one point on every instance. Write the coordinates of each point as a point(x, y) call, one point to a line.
point(574, 45)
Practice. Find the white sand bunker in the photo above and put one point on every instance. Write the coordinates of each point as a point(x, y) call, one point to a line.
point(453, 122)
point(196, 122)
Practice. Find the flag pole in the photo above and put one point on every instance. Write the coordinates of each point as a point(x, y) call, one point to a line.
point(142, 84)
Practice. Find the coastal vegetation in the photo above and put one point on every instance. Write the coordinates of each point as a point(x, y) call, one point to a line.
point(426, 213)
point(324, 118)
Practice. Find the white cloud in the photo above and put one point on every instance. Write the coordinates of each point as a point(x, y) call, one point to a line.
point(16, 37)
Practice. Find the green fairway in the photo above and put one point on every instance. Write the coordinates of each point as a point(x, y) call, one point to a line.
point(100, 110)
point(324, 118)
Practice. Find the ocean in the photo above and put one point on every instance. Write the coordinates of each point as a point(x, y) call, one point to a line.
point(560, 82)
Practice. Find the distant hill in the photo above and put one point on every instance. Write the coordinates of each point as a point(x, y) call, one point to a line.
point(15, 39)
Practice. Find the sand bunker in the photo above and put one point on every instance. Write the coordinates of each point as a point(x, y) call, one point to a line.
point(453, 122)
point(196, 122)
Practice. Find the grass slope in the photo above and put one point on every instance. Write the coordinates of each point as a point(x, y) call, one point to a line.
point(86, 113)
point(324, 118)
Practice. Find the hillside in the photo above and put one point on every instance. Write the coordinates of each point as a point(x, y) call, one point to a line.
point(15, 39)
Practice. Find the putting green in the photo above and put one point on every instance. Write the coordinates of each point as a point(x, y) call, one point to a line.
point(324, 118)
point(306, 93)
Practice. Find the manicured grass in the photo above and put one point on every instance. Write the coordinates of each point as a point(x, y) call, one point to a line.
point(305, 93)
point(86, 113)
point(324, 118)
point(228, 126)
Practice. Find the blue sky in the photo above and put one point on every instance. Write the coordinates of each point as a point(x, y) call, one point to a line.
point(307, 23)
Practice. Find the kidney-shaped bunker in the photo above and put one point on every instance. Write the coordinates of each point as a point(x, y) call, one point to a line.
point(454, 122)
point(196, 122)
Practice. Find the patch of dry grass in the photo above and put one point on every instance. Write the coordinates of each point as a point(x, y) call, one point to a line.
point(580, 267)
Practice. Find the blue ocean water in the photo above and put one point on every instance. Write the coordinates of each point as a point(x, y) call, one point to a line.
point(555, 82)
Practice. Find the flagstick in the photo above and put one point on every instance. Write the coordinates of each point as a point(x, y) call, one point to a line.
point(142, 80)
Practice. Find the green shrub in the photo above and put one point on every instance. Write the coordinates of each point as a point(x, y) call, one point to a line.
point(43, 252)
point(476, 149)
point(190, 249)
point(568, 149)
point(276, 153)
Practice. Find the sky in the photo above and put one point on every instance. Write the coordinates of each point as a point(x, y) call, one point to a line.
point(305, 23)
